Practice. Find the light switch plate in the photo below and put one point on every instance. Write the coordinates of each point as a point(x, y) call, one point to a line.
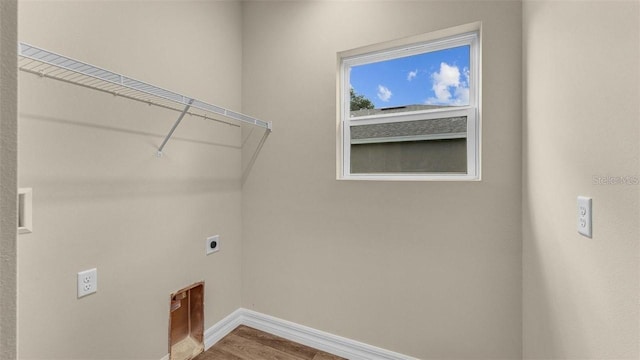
point(584, 216)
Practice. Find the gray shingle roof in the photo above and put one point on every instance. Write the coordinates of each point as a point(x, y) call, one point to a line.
point(411, 128)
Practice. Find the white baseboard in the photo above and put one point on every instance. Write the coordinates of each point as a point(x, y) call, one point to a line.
point(333, 344)
point(223, 327)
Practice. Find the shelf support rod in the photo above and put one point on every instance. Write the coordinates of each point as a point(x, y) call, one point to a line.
point(173, 128)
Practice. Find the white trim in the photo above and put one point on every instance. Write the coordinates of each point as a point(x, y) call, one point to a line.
point(411, 177)
point(417, 48)
point(333, 344)
point(223, 327)
point(407, 41)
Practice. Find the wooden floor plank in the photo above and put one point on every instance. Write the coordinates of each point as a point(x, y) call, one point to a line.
point(248, 349)
point(217, 354)
point(321, 355)
point(276, 342)
point(246, 343)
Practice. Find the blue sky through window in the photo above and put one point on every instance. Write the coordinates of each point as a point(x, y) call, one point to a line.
point(434, 78)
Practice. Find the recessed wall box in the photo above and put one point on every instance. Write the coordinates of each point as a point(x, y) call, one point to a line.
point(186, 322)
point(25, 222)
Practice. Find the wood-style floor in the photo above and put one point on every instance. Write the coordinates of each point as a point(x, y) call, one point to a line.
point(245, 343)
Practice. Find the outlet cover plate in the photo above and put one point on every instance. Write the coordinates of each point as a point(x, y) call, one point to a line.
point(87, 282)
point(212, 244)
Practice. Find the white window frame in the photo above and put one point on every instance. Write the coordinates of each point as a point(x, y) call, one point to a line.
point(466, 35)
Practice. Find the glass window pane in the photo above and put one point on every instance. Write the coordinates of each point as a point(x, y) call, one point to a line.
point(425, 81)
point(423, 146)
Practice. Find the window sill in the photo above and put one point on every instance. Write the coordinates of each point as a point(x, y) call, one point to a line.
point(409, 177)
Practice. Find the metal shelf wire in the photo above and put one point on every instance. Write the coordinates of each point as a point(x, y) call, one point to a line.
point(48, 64)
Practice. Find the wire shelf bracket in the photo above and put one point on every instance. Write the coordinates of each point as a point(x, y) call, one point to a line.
point(48, 64)
point(173, 128)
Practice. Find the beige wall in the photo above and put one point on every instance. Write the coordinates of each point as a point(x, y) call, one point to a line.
point(430, 269)
point(8, 178)
point(101, 197)
point(581, 120)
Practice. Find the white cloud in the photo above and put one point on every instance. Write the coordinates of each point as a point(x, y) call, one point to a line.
point(448, 87)
point(461, 96)
point(412, 74)
point(465, 71)
point(384, 93)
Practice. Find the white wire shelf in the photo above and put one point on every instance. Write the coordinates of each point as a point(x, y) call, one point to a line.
point(48, 64)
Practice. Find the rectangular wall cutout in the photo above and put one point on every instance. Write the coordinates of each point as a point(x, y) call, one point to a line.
point(186, 322)
point(25, 224)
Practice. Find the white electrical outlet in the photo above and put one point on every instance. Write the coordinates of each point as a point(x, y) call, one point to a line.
point(584, 216)
point(212, 244)
point(87, 282)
